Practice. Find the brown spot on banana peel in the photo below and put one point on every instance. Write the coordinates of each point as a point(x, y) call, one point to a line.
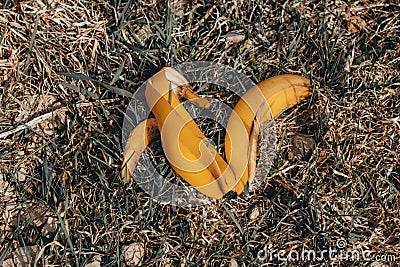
point(196, 99)
point(254, 133)
point(182, 89)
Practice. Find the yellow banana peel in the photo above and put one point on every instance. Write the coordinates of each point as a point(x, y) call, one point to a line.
point(148, 130)
point(187, 149)
point(259, 104)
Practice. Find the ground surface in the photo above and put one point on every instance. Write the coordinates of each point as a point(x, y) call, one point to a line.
point(61, 199)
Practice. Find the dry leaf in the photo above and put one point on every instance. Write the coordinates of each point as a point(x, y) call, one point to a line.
point(8, 212)
point(254, 213)
point(379, 264)
point(8, 263)
point(301, 146)
point(355, 24)
point(95, 263)
point(235, 37)
point(133, 253)
point(50, 226)
point(179, 7)
point(3, 184)
point(22, 171)
point(36, 214)
point(233, 263)
point(24, 256)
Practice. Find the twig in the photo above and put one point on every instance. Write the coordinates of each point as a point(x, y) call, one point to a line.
point(44, 117)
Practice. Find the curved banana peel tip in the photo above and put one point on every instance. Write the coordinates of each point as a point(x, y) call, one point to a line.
point(136, 143)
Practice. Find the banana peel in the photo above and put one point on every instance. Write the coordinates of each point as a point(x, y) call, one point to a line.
point(259, 104)
point(190, 155)
point(148, 130)
point(187, 149)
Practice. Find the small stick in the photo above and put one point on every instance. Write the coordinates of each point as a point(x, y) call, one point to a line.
point(44, 117)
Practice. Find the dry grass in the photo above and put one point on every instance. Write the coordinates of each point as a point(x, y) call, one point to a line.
point(59, 186)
